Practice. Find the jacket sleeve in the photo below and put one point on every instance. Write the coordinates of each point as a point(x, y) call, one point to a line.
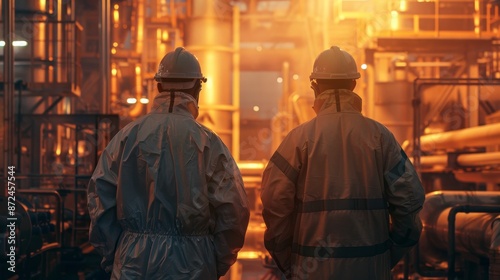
point(405, 195)
point(278, 200)
point(104, 230)
point(229, 202)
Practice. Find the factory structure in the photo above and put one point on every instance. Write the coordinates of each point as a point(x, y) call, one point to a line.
point(74, 72)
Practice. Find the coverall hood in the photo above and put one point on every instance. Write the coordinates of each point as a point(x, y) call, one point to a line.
point(182, 102)
point(327, 99)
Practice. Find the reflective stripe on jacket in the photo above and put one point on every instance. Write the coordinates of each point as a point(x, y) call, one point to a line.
point(328, 193)
point(166, 199)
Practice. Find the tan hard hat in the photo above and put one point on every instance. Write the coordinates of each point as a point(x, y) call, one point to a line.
point(334, 63)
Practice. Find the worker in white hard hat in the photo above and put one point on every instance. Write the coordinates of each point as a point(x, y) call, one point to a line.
point(166, 199)
point(340, 198)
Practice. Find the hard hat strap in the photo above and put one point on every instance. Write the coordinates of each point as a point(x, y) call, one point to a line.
point(337, 99)
point(172, 97)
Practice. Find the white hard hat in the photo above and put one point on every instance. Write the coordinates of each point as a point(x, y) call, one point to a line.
point(334, 63)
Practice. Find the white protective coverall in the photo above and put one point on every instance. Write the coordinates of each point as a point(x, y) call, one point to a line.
point(166, 199)
point(328, 193)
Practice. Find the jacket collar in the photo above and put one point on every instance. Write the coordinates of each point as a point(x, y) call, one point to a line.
point(184, 104)
point(348, 101)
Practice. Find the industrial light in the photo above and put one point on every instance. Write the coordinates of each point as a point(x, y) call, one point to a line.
point(279, 80)
point(131, 100)
point(256, 108)
point(15, 43)
point(364, 66)
point(144, 100)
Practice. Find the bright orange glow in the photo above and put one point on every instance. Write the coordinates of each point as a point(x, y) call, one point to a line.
point(251, 165)
point(403, 5)
point(113, 51)
point(164, 35)
point(249, 255)
point(394, 20)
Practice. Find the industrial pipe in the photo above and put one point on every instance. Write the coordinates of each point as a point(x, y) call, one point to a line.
point(138, 107)
point(8, 17)
point(208, 35)
point(451, 230)
point(59, 208)
point(485, 135)
point(105, 49)
point(473, 230)
point(466, 160)
point(494, 268)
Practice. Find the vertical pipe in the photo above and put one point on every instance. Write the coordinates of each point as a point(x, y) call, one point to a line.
point(326, 22)
point(8, 70)
point(236, 83)
point(285, 95)
point(138, 108)
point(209, 36)
point(416, 125)
point(58, 42)
point(104, 47)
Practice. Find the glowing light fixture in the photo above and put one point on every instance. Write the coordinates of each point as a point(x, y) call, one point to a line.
point(364, 66)
point(295, 77)
point(15, 43)
point(131, 100)
point(256, 108)
point(403, 5)
point(394, 20)
point(144, 100)
point(279, 80)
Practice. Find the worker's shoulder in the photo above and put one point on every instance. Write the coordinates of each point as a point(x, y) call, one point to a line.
point(376, 124)
point(207, 131)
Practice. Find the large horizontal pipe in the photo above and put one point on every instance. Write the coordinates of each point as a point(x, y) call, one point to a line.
point(473, 230)
point(485, 135)
point(466, 160)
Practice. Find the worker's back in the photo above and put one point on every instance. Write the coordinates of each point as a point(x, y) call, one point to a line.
point(173, 189)
point(338, 166)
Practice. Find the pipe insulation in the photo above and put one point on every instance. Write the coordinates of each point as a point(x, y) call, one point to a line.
point(466, 160)
point(472, 231)
point(478, 136)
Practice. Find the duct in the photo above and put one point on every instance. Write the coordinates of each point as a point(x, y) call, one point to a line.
point(485, 135)
point(473, 230)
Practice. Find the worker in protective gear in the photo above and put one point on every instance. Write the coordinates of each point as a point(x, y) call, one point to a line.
point(166, 199)
point(340, 197)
